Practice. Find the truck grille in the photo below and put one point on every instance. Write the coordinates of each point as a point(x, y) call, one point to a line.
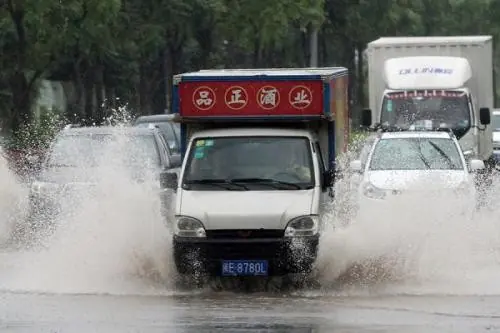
point(265, 250)
point(245, 234)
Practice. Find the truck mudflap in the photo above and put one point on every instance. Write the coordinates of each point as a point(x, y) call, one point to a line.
point(239, 256)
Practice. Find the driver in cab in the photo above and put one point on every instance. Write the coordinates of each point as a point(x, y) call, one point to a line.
point(295, 167)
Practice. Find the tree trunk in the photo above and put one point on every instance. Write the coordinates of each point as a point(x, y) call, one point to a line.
point(21, 100)
point(144, 89)
point(76, 111)
point(313, 47)
point(19, 84)
point(159, 86)
point(360, 76)
point(89, 97)
point(100, 94)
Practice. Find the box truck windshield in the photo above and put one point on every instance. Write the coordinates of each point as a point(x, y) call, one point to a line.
point(249, 163)
point(443, 108)
point(495, 122)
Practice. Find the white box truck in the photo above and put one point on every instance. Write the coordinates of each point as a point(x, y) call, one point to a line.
point(434, 82)
point(240, 208)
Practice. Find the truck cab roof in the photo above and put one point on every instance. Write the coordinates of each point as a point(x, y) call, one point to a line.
point(288, 73)
point(437, 40)
point(416, 134)
point(252, 131)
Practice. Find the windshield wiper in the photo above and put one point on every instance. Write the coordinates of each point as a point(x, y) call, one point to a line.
point(266, 181)
point(224, 183)
point(443, 154)
point(421, 155)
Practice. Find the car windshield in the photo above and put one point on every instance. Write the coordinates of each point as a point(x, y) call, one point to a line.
point(90, 150)
point(495, 122)
point(249, 163)
point(171, 132)
point(427, 107)
point(416, 154)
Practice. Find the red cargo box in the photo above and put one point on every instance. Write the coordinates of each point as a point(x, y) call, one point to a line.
point(266, 95)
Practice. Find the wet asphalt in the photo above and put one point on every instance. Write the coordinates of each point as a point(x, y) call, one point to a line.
point(233, 312)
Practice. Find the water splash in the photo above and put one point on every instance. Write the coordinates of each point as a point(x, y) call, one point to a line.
point(416, 245)
point(12, 199)
point(111, 239)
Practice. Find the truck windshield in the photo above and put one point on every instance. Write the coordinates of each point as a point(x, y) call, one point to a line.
point(416, 154)
point(249, 163)
point(427, 108)
point(495, 122)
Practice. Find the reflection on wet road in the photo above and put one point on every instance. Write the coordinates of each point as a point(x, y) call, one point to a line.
point(22, 312)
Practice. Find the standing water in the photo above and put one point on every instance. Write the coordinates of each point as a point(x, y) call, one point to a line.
point(115, 241)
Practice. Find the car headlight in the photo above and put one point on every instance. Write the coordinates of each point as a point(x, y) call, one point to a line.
point(44, 188)
point(302, 226)
point(189, 227)
point(373, 192)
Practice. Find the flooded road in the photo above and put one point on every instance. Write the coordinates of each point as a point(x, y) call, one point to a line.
point(21, 312)
point(108, 268)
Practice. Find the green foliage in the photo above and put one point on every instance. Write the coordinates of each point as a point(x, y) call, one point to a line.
point(130, 46)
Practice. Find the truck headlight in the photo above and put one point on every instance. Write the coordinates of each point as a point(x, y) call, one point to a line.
point(373, 192)
point(302, 226)
point(189, 227)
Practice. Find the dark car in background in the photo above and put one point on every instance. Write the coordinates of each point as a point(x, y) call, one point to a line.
point(73, 166)
point(170, 130)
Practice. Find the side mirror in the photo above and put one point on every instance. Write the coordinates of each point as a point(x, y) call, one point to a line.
point(366, 118)
point(328, 178)
point(356, 166)
point(476, 165)
point(484, 116)
point(169, 180)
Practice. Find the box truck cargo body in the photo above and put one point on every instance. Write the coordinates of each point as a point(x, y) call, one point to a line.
point(434, 82)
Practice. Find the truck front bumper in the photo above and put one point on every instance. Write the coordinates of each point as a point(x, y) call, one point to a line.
point(206, 256)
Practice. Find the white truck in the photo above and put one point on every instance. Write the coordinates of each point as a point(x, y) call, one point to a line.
point(433, 82)
point(258, 151)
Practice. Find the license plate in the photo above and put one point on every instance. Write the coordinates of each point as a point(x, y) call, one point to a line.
point(244, 267)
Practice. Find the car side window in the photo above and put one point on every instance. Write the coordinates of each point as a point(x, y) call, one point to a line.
point(174, 146)
point(177, 131)
point(165, 151)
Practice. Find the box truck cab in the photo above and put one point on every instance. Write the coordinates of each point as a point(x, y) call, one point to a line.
point(258, 166)
point(433, 82)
